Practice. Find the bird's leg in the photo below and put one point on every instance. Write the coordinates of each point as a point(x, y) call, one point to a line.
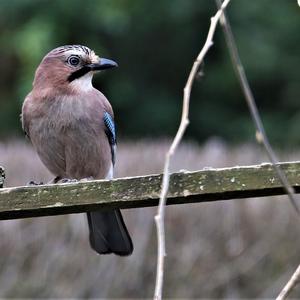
point(54, 180)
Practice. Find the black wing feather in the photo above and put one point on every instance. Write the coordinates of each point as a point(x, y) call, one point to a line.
point(111, 134)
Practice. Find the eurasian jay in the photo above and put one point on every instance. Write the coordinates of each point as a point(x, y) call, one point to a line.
point(71, 126)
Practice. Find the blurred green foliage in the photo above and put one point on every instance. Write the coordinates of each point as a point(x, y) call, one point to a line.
point(155, 43)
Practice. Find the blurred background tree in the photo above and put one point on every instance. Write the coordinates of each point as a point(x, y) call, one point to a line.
point(155, 44)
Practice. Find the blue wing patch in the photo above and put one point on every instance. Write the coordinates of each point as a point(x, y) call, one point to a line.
point(111, 133)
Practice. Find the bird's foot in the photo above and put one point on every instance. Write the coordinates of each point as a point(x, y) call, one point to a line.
point(66, 180)
point(58, 179)
point(34, 183)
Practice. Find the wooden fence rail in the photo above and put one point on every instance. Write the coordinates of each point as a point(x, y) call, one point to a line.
point(185, 187)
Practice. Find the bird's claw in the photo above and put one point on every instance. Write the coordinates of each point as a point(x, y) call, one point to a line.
point(66, 180)
point(34, 183)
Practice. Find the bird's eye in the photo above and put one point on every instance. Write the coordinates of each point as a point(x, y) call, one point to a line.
point(73, 60)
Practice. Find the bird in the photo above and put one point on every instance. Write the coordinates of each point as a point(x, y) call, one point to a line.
point(71, 126)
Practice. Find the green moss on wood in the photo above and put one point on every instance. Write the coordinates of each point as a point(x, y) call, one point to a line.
point(185, 187)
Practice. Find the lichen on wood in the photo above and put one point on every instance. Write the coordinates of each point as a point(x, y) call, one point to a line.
point(185, 187)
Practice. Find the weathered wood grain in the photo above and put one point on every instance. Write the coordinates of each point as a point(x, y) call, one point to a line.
point(185, 187)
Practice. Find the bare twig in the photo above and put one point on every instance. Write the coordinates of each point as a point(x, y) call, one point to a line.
point(159, 218)
point(260, 131)
point(295, 279)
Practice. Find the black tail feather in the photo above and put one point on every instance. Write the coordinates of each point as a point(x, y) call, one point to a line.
point(108, 233)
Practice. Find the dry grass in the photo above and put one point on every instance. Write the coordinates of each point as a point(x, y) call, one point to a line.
point(233, 249)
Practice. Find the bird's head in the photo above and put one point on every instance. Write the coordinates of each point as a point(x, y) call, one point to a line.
point(70, 68)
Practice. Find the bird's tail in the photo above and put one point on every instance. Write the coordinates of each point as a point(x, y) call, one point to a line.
point(108, 233)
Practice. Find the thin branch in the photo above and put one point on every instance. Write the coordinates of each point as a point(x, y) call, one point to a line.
point(295, 279)
point(260, 131)
point(160, 216)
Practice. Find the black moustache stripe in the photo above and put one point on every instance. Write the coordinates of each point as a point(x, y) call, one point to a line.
point(79, 73)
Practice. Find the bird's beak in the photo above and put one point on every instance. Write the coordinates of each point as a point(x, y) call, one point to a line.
point(103, 64)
